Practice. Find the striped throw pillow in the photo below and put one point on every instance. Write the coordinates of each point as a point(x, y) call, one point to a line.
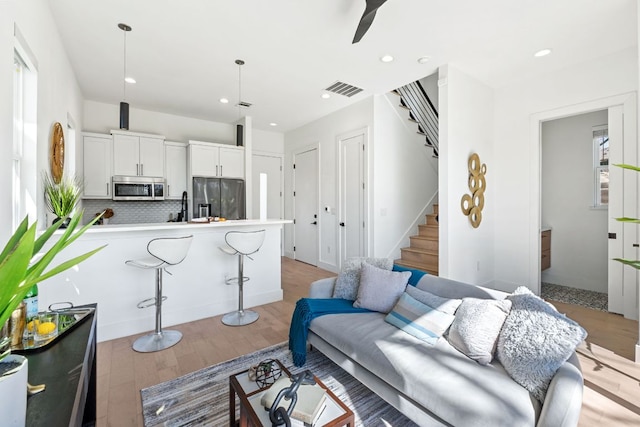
point(418, 319)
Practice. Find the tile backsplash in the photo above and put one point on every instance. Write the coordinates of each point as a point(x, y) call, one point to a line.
point(132, 212)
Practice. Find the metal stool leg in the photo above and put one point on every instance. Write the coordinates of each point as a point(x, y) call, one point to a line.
point(241, 317)
point(159, 340)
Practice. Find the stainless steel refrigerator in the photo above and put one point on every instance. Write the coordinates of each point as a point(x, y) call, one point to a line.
point(221, 197)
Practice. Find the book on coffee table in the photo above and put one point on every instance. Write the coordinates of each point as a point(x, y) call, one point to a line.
point(311, 400)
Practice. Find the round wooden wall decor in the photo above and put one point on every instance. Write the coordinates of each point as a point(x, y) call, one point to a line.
point(472, 204)
point(56, 153)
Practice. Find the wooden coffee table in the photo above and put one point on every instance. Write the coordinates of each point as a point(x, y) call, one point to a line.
point(253, 414)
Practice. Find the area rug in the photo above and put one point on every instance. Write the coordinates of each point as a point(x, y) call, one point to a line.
point(201, 398)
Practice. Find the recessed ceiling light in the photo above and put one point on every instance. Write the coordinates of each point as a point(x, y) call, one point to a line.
point(543, 52)
point(424, 59)
point(273, 124)
point(326, 96)
point(129, 80)
point(386, 58)
point(224, 100)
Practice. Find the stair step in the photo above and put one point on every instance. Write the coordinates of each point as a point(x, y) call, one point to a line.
point(411, 119)
point(417, 266)
point(422, 133)
point(432, 219)
point(421, 242)
point(421, 256)
point(435, 208)
point(395, 91)
point(428, 230)
point(404, 106)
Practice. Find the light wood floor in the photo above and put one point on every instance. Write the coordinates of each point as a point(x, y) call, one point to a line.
point(612, 380)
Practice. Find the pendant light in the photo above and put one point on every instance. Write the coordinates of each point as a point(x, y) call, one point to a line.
point(239, 127)
point(124, 106)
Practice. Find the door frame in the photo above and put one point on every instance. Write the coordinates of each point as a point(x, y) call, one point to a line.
point(628, 102)
point(294, 153)
point(365, 179)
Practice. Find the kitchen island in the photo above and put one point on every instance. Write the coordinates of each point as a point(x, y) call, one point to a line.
point(195, 290)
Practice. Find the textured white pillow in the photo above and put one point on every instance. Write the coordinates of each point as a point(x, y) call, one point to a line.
point(535, 341)
point(476, 327)
point(380, 289)
point(444, 305)
point(348, 280)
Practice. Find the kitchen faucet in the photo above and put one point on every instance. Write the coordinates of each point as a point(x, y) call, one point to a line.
point(185, 209)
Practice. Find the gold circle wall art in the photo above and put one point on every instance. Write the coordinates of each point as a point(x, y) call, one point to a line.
point(472, 204)
point(56, 152)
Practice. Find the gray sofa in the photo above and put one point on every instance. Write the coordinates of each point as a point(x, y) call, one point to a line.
point(437, 385)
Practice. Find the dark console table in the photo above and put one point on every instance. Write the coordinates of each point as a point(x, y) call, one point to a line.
point(68, 368)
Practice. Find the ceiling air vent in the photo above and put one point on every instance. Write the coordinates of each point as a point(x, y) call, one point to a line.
point(244, 104)
point(343, 89)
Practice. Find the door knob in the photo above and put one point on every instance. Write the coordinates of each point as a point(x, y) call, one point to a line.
point(314, 223)
point(342, 224)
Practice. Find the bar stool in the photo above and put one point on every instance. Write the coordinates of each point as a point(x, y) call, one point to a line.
point(241, 243)
point(164, 251)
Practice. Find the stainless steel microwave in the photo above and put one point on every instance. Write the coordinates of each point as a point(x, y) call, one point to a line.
point(137, 188)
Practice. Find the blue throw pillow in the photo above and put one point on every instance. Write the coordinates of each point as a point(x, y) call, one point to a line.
point(416, 275)
point(418, 319)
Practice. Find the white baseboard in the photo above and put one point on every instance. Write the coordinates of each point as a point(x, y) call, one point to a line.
point(637, 353)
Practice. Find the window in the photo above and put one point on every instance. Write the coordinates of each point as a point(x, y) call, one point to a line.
point(24, 153)
point(601, 165)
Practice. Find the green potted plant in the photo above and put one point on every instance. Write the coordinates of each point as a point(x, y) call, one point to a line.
point(61, 198)
point(21, 266)
point(631, 262)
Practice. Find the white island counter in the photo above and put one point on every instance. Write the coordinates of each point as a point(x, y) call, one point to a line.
point(196, 289)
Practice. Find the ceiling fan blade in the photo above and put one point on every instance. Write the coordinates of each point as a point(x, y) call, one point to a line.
point(367, 18)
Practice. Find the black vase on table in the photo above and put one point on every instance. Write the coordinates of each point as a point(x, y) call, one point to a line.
point(64, 224)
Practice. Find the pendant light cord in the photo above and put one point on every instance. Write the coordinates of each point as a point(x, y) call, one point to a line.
point(124, 72)
point(240, 63)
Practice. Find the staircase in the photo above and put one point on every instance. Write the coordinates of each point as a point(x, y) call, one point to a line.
point(422, 254)
point(414, 98)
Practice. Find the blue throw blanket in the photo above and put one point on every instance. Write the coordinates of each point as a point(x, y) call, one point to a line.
point(308, 309)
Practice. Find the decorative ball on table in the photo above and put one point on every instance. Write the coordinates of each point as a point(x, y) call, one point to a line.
point(265, 373)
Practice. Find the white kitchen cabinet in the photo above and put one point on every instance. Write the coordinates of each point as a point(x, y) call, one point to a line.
point(136, 154)
point(97, 165)
point(215, 160)
point(175, 154)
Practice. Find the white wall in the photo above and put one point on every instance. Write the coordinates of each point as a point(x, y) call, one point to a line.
point(59, 95)
point(517, 206)
point(430, 85)
point(579, 244)
point(466, 127)
point(102, 118)
point(323, 132)
point(266, 141)
point(404, 178)
point(401, 181)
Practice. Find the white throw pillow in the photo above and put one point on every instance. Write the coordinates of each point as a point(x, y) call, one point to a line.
point(476, 328)
point(348, 280)
point(380, 289)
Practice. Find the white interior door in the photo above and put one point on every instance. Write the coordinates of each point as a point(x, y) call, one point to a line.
point(616, 235)
point(305, 202)
point(351, 218)
point(623, 202)
point(272, 166)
